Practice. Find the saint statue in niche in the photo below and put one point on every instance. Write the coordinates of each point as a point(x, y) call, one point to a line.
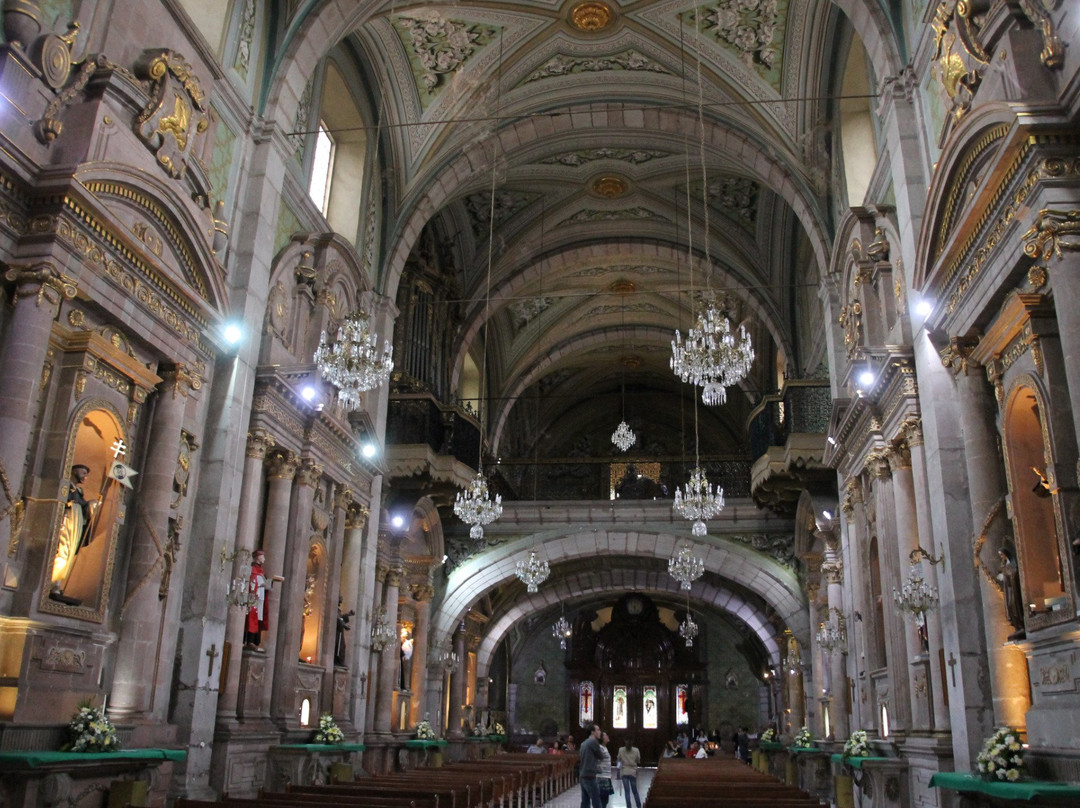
point(1010, 587)
point(74, 534)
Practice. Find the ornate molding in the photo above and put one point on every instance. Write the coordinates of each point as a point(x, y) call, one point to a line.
point(177, 114)
point(309, 473)
point(281, 464)
point(562, 65)
point(441, 46)
point(42, 281)
point(259, 442)
point(1037, 12)
point(959, 69)
point(1052, 232)
point(357, 516)
point(956, 356)
point(877, 463)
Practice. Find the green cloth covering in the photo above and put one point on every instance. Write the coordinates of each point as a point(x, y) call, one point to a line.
point(771, 746)
point(325, 747)
point(800, 749)
point(1026, 790)
point(857, 762)
point(10, 759)
point(423, 743)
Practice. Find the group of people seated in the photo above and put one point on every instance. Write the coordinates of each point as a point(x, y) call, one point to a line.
point(558, 746)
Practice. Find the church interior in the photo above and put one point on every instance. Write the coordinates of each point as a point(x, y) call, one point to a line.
point(496, 367)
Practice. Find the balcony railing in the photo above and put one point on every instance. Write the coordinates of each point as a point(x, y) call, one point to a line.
point(803, 406)
point(418, 418)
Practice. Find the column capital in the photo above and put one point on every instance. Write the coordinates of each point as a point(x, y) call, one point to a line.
point(309, 473)
point(42, 281)
point(833, 571)
point(1052, 232)
point(343, 497)
point(281, 464)
point(877, 463)
point(423, 593)
point(178, 379)
point(853, 496)
point(259, 442)
point(956, 356)
point(381, 570)
point(899, 456)
point(357, 516)
point(911, 429)
point(393, 576)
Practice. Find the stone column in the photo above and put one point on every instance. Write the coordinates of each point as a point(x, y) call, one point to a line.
point(288, 629)
point(1065, 281)
point(987, 491)
point(281, 468)
point(388, 657)
point(39, 291)
point(343, 498)
point(832, 570)
point(854, 509)
point(382, 569)
point(355, 522)
point(813, 683)
point(259, 441)
point(140, 681)
point(422, 595)
point(907, 539)
point(899, 701)
point(457, 687)
point(914, 436)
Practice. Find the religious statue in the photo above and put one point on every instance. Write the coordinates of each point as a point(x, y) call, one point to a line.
point(1010, 587)
point(75, 533)
point(258, 616)
point(342, 627)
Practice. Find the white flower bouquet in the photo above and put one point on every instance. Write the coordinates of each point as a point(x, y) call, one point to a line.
point(804, 737)
point(329, 731)
point(424, 731)
point(497, 728)
point(857, 745)
point(91, 731)
point(1002, 756)
point(480, 730)
point(768, 736)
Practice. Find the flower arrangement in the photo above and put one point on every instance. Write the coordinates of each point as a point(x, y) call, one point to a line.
point(424, 731)
point(91, 731)
point(857, 745)
point(480, 730)
point(329, 731)
point(804, 737)
point(497, 728)
point(768, 736)
point(1002, 756)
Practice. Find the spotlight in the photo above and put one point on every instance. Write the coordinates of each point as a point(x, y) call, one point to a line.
point(831, 440)
point(233, 333)
point(308, 393)
point(397, 520)
point(827, 514)
point(924, 308)
point(866, 378)
point(368, 450)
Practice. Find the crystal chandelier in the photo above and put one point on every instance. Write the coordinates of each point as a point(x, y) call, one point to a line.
point(713, 357)
point(353, 362)
point(562, 631)
point(474, 506)
point(700, 502)
point(242, 593)
point(684, 567)
point(916, 597)
point(688, 630)
point(533, 572)
point(382, 634)
point(832, 634)
point(623, 436)
point(448, 658)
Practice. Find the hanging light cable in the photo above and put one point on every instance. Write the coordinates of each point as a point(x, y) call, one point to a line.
point(353, 361)
point(475, 506)
point(699, 502)
point(623, 437)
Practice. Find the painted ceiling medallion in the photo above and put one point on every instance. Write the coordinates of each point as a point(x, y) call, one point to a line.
point(622, 287)
point(610, 187)
point(591, 16)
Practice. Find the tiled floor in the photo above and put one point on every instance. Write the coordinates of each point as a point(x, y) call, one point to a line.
point(572, 798)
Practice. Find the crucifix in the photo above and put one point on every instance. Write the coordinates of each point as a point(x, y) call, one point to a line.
point(119, 449)
point(212, 652)
point(952, 667)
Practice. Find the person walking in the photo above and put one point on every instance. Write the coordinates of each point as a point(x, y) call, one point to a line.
point(629, 760)
point(591, 758)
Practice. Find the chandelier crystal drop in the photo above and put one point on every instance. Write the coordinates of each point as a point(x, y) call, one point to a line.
point(562, 631)
point(623, 436)
point(685, 568)
point(242, 593)
point(533, 572)
point(382, 634)
point(916, 597)
point(832, 635)
point(713, 356)
point(688, 630)
point(700, 502)
point(353, 363)
point(474, 506)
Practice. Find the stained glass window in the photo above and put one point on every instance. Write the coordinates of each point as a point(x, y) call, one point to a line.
point(585, 703)
point(648, 712)
point(619, 707)
point(682, 697)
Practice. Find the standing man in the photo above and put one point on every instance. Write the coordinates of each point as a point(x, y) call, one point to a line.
point(629, 760)
point(258, 616)
point(591, 757)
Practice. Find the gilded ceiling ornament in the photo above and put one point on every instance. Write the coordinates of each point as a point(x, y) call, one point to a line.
point(960, 56)
point(1036, 277)
point(622, 287)
point(177, 112)
point(1037, 11)
point(610, 187)
point(738, 196)
point(591, 16)
point(749, 27)
point(1053, 231)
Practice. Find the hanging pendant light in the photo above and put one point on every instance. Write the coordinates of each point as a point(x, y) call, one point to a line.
point(562, 631)
point(700, 502)
point(533, 572)
point(475, 506)
point(685, 568)
point(353, 361)
point(623, 437)
point(688, 629)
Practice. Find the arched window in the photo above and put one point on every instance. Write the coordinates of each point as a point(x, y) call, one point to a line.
point(339, 154)
point(858, 146)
